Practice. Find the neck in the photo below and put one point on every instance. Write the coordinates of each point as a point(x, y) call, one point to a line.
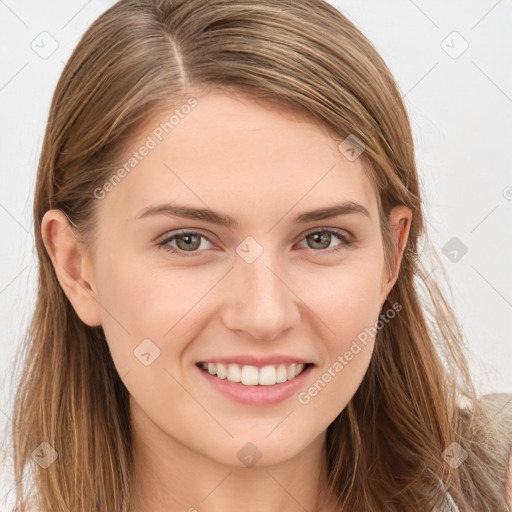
point(169, 476)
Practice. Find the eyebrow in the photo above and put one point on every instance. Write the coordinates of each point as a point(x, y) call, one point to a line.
point(207, 215)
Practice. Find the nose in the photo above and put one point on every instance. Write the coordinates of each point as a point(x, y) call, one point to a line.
point(260, 303)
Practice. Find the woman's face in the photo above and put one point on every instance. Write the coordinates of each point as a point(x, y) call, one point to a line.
point(269, 290)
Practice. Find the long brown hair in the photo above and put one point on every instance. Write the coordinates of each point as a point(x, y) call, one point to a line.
point(385, 449)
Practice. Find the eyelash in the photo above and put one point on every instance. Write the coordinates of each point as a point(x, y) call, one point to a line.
point(346, 241)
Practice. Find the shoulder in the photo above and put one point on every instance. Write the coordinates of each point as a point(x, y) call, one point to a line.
point(509, 484)
point(448, 504)
point(500, 407)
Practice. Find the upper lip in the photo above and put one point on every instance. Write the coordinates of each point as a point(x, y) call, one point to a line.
point(259, 361)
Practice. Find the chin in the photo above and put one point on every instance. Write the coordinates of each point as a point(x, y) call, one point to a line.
point(263, 449)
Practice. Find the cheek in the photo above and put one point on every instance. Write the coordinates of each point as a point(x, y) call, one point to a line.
point(347, 303)
point(346, 299)
point(140, 301)
point(131, 301)
point(131, 291)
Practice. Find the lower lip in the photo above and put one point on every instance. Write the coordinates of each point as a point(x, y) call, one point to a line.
point(257, 395)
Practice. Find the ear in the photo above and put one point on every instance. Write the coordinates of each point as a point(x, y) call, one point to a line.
point(400, 220)
point(72, 265)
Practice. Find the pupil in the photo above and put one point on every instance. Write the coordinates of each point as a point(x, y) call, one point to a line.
point(188, 240)
point(317, 237)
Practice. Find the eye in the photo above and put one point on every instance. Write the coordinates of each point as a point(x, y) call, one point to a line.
point(187, 242)
point(322, 238)
point(190, 241)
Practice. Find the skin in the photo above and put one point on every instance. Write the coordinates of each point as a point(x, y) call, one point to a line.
point(263, 166)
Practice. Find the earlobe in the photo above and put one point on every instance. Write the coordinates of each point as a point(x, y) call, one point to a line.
point(70, 261)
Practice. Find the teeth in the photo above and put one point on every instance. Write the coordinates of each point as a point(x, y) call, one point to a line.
point(252, 375)
point(281, 373)
point(249, 375)
point(234, 373)
point(222, 371)
point(267, 376)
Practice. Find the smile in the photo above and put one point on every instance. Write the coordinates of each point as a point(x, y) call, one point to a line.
point(250, 375)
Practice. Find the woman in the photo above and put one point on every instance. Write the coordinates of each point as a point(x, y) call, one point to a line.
point(228, 219)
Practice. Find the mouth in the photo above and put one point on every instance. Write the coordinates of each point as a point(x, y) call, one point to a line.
point(251, 375)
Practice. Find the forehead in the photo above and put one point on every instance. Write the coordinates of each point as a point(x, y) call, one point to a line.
point(247, 158)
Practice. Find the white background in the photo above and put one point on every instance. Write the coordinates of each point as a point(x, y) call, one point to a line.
point(461, 112)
